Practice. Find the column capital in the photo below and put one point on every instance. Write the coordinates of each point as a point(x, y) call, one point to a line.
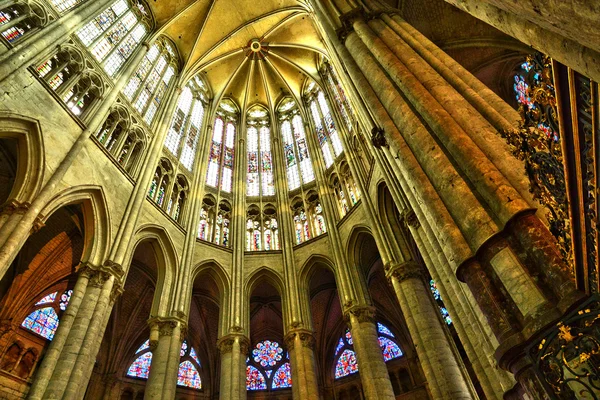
point(225, 343)
point(410, 218)
point(404, 270)
point(307, 338)
point(14, 206)
point(378, 137)
point(347, 21)
point(99, 274)
point(166, 325)
point(361, 313)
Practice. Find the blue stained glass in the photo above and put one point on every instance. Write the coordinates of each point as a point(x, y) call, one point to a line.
point(389, 348)
point(384, 329)
point(346, 364)
point(184, 347)
point(43, 321)
point(268, 372)
point(434, 290)
point(144, 346)
point(446, 316)
point(47, 299)
point(349, 337)
point(194, 356)
point(255, 380)
point(188, 376)
point(283, 377)
point(267, 353)
point(140, 368)
point(64, 299)
point(339, 346)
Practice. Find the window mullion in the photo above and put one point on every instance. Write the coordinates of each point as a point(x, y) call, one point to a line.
point(116, 47)
point(143, 84)
point(102, 34)
point(147, 105)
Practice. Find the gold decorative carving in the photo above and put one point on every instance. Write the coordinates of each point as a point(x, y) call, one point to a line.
point(306, 337)
point(410, 218)
point(378, 138)
point(361, 313)
point(404, 271)
point(226, 343)
point(347, 21)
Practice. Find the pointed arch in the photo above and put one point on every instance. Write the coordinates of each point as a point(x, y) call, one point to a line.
point(96, 214)
point(30, 154)
point(166, 261)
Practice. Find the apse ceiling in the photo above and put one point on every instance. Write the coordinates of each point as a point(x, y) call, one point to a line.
point(250, 51)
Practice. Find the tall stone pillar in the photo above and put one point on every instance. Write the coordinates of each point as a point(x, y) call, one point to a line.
point(300, 344)
point(71, 355)
point(374, 375)
point(234, 350)
point(445, 378)
point(166, 336)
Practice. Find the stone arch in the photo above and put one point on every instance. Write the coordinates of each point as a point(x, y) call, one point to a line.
point(264, 274)
point(166, 262)
point(97, 228)
point(30, 161)
point(218, 273)
point(355, 244)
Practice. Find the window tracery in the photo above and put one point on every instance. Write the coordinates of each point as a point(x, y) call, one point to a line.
point(164, 186)
point(113, 35)
point(346, 363)
point(295, 147)
point(268, 356)
point(222, 224)
point(345, 189)
point(186, 126)
point(221, 157)
point(262, 231)
point(65, 5)
point(308, 218)
point(21, 18)
point(44, 319)
point(150, 82)
point(189, 367)
point(339, 95)
point(259, 180)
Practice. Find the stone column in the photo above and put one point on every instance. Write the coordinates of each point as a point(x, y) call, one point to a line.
point(373, 371)
point(32, 46)
point(442, 370)
point(234, 350)
point(300, 344)
point(165, 343)
point(70, 358)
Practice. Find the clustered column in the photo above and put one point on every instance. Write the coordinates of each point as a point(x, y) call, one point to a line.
point(234, 350)
point(300, 344)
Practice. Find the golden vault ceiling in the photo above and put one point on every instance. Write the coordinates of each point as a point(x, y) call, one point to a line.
point(250, 51)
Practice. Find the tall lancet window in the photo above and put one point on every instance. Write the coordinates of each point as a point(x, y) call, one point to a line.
point(262, 229)
point(115, 33)
point(295, 147)
point(148, 86)
point(327, 134)
point(260, 161)
point(184, 134)
point(220, 161)
point(339, 95)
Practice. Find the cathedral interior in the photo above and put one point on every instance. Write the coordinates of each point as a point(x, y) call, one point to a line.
point(299, 199)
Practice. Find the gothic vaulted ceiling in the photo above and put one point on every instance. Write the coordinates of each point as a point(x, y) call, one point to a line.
point(224, 39)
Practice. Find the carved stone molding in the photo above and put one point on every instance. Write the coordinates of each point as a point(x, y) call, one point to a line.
point(116, 291)
point(153, 345)
point(361, 313)
point(307, 338)
point(226, 343)
point(410, 218)
point(38, 224)
point(166, 325)
point(14, 207)
point(404, 271)
point(378, 138)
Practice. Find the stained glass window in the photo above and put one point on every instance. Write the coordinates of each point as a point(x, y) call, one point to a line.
point(177, 129)
point(194, 356)
point(188, 376)
point(339, 95)
point(283, 377)
point(346, 364)
point(148, 85)
point(267, 353)
point(140, 368)
point(43, 321)
point(389, 348)
point(295, 147)
point(114, 35)
point(64, 299)
point(438, 299)
point(260, 163)
point(255, 380)
point(47, 299)
point(266, 357)
point(65, 5)
point(144, 346)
